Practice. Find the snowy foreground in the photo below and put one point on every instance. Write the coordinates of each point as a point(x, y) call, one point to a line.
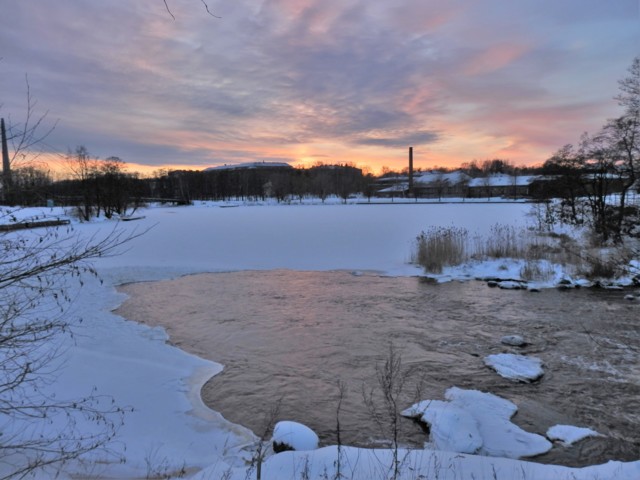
point(170, 431)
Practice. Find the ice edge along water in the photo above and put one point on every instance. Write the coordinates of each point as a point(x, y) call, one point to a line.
point(170, 428)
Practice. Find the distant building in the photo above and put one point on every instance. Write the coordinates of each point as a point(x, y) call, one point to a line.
point(437, 184)
point(504, 185)
point(251, 166)
point(433, 184)
point(394, 186)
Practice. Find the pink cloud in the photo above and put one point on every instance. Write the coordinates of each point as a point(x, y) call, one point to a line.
point(417, 16)
point(494, 58)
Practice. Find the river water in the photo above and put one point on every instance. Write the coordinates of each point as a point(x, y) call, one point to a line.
point(286, 338)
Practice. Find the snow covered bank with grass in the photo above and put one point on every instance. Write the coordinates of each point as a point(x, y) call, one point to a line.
point(168, 430)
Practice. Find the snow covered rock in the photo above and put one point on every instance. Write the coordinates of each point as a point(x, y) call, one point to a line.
point(515, 367)
point(512, 285)
point(565, 284)
point(630, 297)
point(513, 340)
point(569, 435)
point(471, 421)
point(289, 435)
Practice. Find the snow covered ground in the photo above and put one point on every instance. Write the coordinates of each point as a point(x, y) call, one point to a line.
point(169, 430)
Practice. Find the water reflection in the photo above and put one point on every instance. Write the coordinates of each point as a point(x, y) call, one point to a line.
point(288, 337)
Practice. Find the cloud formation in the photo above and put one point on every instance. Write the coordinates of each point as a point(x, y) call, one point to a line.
point(302, 80)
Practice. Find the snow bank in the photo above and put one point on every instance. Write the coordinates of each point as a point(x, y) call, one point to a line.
point(515, 367)
point(372, 464)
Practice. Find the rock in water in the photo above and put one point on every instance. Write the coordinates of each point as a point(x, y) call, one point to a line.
point(513, 340)
point(512, 285)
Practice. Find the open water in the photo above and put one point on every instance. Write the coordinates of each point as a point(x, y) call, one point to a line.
point(286, 338)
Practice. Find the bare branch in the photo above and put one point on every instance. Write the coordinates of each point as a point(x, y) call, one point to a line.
point(39, 274)
point(27, 135)
point(206, 7)
point(168, 10)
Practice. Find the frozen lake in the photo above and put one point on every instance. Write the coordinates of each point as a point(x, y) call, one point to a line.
point(289, 336)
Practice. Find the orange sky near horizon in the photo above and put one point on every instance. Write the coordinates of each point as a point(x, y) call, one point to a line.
point(302, 82)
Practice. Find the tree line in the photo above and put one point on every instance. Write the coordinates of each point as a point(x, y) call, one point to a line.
point(105, 187)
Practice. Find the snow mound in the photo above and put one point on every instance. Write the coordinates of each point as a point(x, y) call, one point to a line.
point(470, 415)
point(453, 429)
point(515, 367)
point(289, 435)
point(569, 435)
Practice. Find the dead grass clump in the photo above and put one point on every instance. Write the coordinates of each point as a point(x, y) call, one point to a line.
point(537, 270)
point(604, 264)
point(441, 246)
point(503, 242)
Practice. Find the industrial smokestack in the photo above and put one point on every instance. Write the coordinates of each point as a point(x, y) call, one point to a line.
point(411, 171)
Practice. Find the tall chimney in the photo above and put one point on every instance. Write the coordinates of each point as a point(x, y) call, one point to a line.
point(6, 166)
point(411, 171)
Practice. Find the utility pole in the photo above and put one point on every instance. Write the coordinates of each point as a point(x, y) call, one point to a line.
point(6, 166)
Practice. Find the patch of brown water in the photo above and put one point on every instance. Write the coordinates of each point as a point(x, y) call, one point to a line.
point(287, 337)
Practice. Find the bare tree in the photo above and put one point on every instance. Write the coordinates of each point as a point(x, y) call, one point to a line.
point(629, 96)
point(393, 381)
point(29, 133)
point(566, 170)
point(22, 137)
point(261, 446)
point(84, 169)
point(602, 165)
point(440, 184)
point(37, 274)
point(116, 187)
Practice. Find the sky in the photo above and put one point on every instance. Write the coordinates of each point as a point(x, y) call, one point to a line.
point(307, 81)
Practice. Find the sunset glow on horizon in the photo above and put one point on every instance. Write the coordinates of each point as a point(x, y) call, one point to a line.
point(309, 81)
